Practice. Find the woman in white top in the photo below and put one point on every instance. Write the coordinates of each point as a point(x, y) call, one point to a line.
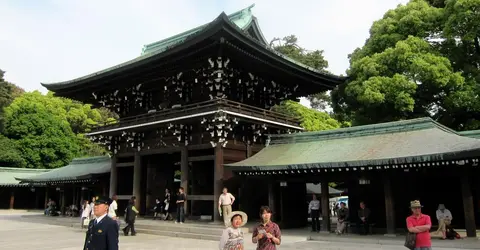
point(232, 236)
point(86, 211)
point(112, 209)
point(92, 204)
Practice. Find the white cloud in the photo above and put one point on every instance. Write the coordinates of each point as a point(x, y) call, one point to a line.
point(57, 40)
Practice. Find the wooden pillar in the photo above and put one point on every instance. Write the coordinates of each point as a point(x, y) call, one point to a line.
point(271, 197)
point(184, 175)
point(37, 199)
point(389, 206)
point(12, 199)
point(218, 180)
point(113, 177)
point(468, 207)
point(62, 193)
point(249, 150)
point(325, 201)
point(137, 179)
point(46, 198)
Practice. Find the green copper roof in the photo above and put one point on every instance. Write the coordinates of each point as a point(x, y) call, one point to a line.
point(471, 133)
point(243, 19)
point(8, 175)
point(78, 169)
point(410, 141)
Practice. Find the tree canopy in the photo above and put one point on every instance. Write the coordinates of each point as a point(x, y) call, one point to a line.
point(8, 92)
point(421, 59)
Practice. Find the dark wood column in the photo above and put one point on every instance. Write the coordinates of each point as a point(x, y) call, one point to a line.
point(271, 197)
point(325, 201)
point(389, 206)
point(113, 177)
point(468, 207)
point(137, 179)
point(12, 199)
point(184, 175)
point(218, 180)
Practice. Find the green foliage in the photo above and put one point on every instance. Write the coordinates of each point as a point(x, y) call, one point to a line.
point(422, 59)
point(10, 155)
point(311, 120)
point(49, 130)
point(288, 46)
point(8, 92)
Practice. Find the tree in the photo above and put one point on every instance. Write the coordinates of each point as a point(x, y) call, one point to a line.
point(8, 92)
point(10, 156)
point(288, 46)
point(311, 120)
point(416, 63)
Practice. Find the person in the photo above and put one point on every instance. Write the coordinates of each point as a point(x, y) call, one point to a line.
point(180, 206)
point(225, 202)
point(102, 233)
point(166, 203)
point(157, 210)
point(50, 207)
point(314, 211)
point(232, 236)
point(420, 225)
point(267, 234)
point(364, 219)
point(92, 205)
point(342, 217)
point(131, 213)
point(444, 217)
point(85, 214)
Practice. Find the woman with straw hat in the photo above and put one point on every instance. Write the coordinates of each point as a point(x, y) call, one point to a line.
point(232, 236)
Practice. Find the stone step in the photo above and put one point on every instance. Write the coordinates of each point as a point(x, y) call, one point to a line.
point(199, 236)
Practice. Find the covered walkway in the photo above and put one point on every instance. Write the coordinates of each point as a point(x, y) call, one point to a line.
point(395, 159)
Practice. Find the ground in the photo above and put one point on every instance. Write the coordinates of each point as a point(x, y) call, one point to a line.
point(19, 234)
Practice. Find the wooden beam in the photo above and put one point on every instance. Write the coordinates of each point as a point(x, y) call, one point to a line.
point(125, 164)
point(201, 198)
point(325, 203)
point(389, 206)
point(217, 180)
point(12, 199)
point(159, 151)
point(468, 208)
point(184, 174)
point(113, 177)
point(201, 158)
point(199, 147)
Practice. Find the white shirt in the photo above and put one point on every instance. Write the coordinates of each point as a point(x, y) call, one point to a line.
point(112, 208)
point(100, 218)
point(442, 215)
point(314, 205)
point(226, 199)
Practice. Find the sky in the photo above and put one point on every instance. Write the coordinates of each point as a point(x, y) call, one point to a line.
point(58, 40)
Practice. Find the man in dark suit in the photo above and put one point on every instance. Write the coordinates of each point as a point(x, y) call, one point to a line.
point(102, 233)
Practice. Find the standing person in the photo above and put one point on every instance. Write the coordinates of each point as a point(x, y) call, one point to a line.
point(444, 217)
point(342, 217)
point(102, 233)
point(420, 225)
point(267, 234)
point(112, 209)
point(314, 211)
point(92, 205)
point(166, 202)
point(86, 211)
point(181, 206)
point(364, 218)
point(131, 213)
point(225, 202)
point(232, 236)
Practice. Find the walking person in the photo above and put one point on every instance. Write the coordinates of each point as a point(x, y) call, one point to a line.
point(157, 210)
point(102, 233)
point(232, 236)
point(86, 211)
point(267, 234)
point(181, 206)
point(314, 211)
point(166, 203)
point(225, 202)
point(131, 213)
point(420, 225)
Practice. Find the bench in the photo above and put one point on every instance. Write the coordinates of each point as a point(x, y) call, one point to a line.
point(354, 226)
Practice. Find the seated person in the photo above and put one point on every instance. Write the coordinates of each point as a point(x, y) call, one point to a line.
point(342, 217)
point(364, 219)
point(444, 217)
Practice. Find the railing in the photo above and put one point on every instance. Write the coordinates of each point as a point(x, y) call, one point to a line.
point(196, 108)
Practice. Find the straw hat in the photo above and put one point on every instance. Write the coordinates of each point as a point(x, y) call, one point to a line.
point(441, 206)
point(242, 214)
point(415, 204)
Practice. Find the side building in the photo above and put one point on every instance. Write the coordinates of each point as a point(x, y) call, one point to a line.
point(192, 103)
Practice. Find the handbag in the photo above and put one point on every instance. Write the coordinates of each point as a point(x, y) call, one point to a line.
point(410, 240)
point(86, 221)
